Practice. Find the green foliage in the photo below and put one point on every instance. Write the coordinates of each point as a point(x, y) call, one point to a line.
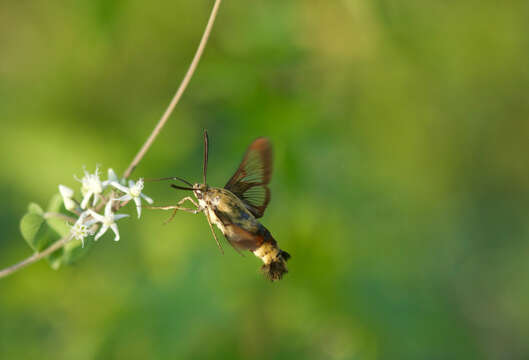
point(59, 225)
point(34, 228)
point(74, 249)
point(400, 182)
point(41, 229)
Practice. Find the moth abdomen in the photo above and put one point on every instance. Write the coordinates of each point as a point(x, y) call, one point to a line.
point(276, 268)
point(284, 255)
point(274, 259)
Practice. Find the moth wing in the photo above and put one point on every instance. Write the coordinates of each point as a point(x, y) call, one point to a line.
point(241, 239)
point(250, 181)
point(238, 237)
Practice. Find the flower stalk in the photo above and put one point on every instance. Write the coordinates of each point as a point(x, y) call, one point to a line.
point(93, 187)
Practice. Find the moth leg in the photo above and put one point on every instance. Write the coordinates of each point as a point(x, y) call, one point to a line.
point(170, 217)
point(174, 207)
point(213, 232)
point(188, 198)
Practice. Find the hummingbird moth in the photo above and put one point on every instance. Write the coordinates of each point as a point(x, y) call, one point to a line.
point(235, 208)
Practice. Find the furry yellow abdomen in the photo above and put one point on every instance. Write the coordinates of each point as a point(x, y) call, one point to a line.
point(267, 252)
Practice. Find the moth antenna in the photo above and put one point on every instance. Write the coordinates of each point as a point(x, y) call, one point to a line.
point(181, 187)
point(170, 178)
point(206, 151)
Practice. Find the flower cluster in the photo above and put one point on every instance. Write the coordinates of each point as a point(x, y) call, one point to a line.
point(92, 188)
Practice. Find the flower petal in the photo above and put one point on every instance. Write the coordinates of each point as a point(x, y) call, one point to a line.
point(137, 200)
point(69, 204)
point(120, 216)
point(112, 175)
point(108, 208)
point(83, 215)
point(114, 228)
point(103, 229)
point(96, 197)
point(119, 187)
point(146, 198)
point(65, 191)
point(91, 222)
point(86, 198)
point(97, 217)
point(125, 197)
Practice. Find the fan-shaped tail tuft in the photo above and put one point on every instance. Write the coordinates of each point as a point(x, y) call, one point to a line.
point(277, 268)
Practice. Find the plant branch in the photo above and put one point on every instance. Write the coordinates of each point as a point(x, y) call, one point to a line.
point(35, 257)
point(179, 92)
point(48, 215)
point(141, 153)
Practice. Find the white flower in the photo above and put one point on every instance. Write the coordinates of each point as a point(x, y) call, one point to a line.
point(91, 186)
point(112, 177)
point(108, 220)
point(80, 230)
point(67, 195)
point(133, 192)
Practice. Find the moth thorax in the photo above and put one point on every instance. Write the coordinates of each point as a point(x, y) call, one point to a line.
point(267, 252)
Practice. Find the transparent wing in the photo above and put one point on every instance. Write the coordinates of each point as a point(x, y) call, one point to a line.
point(250, 181)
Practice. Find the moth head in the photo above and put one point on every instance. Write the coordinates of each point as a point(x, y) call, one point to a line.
point(199, 190)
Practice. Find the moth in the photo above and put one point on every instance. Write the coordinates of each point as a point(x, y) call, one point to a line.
point(236, 208)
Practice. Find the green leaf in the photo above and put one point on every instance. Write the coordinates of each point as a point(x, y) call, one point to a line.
point(37, 232)
point(55, 203)
point(40, 232)
point(73, 250)
point(55, 259)
point(35, 209)
point(30, 226)
point(59, 225)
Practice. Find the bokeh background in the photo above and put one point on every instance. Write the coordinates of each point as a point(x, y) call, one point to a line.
point(400, 186)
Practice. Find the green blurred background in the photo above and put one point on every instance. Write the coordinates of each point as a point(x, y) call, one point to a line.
point(400, 186)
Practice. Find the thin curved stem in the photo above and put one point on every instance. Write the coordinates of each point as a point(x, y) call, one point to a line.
point(179, 92)
point(141, 153)
point(35, 257)
point(49, 215)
